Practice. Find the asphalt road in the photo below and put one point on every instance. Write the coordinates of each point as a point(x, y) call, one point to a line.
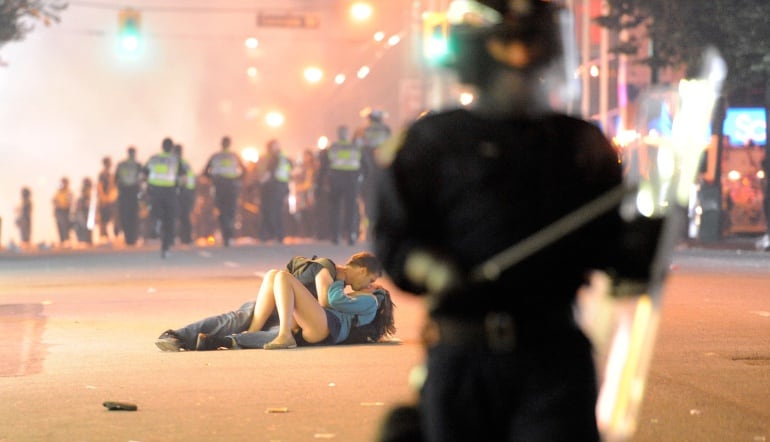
point(78, 329)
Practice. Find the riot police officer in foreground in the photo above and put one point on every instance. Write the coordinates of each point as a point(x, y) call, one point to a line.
point(505, 357)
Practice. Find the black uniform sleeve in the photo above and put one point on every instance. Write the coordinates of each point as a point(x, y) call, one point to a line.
point(403, 222)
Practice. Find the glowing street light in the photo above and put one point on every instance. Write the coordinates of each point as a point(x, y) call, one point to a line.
point(339, 78)
point(250, 154)
point(274, 119)
point(361, 11)
point(363, 72)
point(251, 43)
point(313, 74)
point(379, 36)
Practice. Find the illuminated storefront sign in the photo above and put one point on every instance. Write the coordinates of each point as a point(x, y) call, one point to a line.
point(746, 123)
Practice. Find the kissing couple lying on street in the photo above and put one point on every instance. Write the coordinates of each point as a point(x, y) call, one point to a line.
point(313, 301)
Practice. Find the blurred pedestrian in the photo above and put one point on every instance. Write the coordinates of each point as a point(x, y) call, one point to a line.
point(304, 177)
point(204, 213)
point(85, 213)
point(186, 198)
point(322, 188)
point(62, 211)
point(342, 164)
point(226, 170)
point(162, 172)
point(107, 196)
point(24, 218)
point(249, 207)
point(128, 178)
point(276, 171)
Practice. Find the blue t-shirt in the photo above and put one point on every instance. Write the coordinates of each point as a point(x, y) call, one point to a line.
point(346, 308)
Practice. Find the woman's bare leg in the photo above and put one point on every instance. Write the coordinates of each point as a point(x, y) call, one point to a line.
point(265, 303)
point(295, 303)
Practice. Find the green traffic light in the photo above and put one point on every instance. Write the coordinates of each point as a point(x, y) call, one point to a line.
point(129, 43)
point(435, 38)
point(436, 48)
point(129, 37)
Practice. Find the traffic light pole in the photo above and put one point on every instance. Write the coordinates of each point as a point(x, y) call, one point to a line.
point(433, 79)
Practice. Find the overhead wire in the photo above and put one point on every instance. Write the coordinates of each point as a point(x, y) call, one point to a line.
point(174, 9)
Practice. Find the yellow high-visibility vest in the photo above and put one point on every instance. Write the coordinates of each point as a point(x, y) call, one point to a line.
point(163, 169)
point(344, 155)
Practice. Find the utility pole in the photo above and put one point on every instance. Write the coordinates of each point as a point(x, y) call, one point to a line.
point(604, 72)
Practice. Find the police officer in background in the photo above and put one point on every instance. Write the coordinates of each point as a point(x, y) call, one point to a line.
point(275, 172)
point(342, 164)
point(371, 137)
point(162, 172)
point(128, 179)
point(186, 197)
point(226, 170)
point(505, 357)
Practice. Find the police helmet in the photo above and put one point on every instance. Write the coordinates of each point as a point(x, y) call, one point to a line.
point(535, 24)
point(167, 144)
point(343, 132)
point(376, 115)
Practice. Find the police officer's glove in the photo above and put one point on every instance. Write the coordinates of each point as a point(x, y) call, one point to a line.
point(437, 275)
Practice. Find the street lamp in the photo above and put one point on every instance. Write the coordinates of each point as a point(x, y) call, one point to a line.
point(250, 154)
point(251, 43)
point(466, 98)
point(361, 11)
point(313, 74)
point(274, 119)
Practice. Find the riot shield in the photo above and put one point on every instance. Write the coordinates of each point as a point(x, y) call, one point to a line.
point(661, 165)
